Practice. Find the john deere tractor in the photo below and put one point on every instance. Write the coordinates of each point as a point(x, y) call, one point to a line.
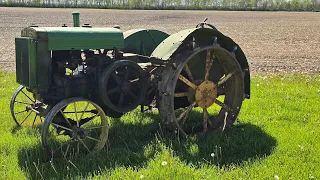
point(73, 78)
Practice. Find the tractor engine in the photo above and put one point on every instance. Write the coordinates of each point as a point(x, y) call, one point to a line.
point(74, 74)
point(117, 85)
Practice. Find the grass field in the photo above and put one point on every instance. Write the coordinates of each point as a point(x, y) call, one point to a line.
point(277, 136)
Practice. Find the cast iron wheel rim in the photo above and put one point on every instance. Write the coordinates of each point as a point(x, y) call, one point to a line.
point(24, 108)
point(230, 85)
point(118, 90)
point(74, 126)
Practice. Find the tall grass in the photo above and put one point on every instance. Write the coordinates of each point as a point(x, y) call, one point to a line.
point(256, 5)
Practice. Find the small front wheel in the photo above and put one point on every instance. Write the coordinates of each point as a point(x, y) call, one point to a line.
point(74, 126)
point(25, 109)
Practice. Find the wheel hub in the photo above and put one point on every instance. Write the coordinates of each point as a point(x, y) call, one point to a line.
point(126, 87)
point(206, 94)
point(37, 106)
point(78, 133)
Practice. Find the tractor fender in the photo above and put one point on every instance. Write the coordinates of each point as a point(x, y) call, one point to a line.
point(199, 37)
point(142, 42)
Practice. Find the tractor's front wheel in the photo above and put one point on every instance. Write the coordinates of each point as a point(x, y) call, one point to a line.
point(25, 109)
point(74, 126)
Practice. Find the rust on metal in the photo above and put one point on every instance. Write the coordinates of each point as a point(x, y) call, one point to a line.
point(206, 94)
point(226, 107)
point(185, 113)
point(205, 119)
point(183, 94)
point(188, 71)
point(225, 78)
point(209, 61)
point(185, 80)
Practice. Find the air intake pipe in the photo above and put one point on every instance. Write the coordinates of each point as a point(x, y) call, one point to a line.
point(76, 19)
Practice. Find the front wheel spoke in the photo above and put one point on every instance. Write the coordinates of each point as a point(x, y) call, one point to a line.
point(83, 121)
point(96, 127)
point(20, 102)
point(62, 127)
point(186, 81)
point(96, 115)
point(182, 94)
point(85, 145)
point(65, 154)
point(75, 111)
point(25, 118)
point(21, 112)
point(85, 109)
point(114, 90)
point(209, 61)
point(225, 78)
point(27, 96)
point(89, 137)
point(61, 145)
point(65, 118)
point(72, 112)
point(226, 107)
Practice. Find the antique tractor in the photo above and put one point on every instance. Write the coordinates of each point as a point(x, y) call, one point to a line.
point(72, 78)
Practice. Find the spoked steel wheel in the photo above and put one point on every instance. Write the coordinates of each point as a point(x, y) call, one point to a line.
point(74, 126)
point(204, 91)
point(25, 109)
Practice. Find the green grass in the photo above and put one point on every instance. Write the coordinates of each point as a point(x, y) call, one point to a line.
point(278, 135)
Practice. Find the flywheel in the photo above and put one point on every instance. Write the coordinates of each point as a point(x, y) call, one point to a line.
point(122, 86)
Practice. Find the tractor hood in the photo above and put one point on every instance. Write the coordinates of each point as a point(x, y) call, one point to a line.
point(69, 38)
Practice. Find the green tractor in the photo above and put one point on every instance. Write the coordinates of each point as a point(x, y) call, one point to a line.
point(73, 78)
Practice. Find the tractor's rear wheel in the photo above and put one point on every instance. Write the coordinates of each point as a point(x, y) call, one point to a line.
point(74, 126)
point(203, 91)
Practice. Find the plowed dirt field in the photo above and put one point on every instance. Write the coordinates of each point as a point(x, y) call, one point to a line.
point(273, 41)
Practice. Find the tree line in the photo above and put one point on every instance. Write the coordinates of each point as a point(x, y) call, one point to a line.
point(255, 5)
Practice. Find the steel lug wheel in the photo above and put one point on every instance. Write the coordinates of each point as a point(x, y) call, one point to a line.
point(25, 109)
point(74, 126)
point(205, 91)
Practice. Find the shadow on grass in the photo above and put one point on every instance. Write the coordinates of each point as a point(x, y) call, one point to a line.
point(16, 129)
point(127, 148)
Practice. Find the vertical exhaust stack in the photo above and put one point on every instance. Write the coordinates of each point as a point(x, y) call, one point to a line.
point(76, 19)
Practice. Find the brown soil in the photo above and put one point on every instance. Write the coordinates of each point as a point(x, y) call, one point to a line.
point(272, 41)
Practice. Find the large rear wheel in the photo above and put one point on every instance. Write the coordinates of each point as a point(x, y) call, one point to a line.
point(203, 91)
